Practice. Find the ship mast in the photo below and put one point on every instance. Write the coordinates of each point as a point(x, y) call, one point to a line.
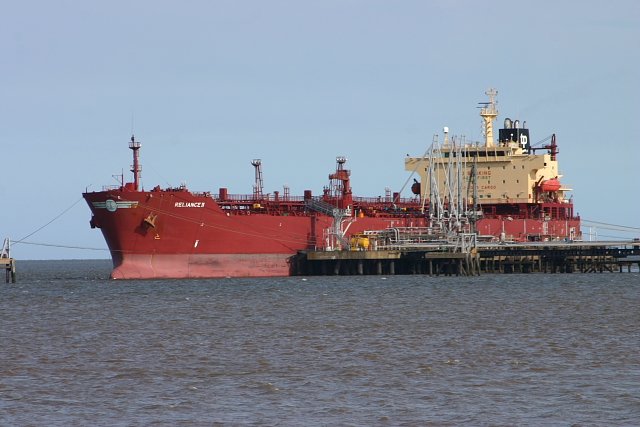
point(136, 168)
point(489, 114)
point(340, 184)
point(257, 187)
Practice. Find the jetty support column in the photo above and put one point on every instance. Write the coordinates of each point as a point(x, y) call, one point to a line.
point(6, 262)
point(9, 265)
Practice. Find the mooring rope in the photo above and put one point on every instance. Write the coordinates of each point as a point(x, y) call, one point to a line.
point(616, 227)
point(53, 245)
point(45, 225)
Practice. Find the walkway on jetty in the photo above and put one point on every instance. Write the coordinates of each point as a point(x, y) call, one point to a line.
point(444, 259)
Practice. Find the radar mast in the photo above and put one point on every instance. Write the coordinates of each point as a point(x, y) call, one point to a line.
point(489, 114)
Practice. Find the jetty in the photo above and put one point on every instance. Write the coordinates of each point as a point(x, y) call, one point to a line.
point(7, 263)
point(467, 258)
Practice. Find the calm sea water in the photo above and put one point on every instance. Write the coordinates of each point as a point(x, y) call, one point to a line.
point(79, 349)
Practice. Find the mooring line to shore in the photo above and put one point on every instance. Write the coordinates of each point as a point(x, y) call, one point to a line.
point(53, 245)
point(45, 225)
point(621, 228)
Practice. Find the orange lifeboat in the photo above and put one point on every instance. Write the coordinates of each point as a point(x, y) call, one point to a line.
point(550, 185)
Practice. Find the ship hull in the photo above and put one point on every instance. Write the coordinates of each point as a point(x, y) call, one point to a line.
point(182, 235)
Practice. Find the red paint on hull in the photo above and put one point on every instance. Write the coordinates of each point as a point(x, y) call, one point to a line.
point(180, 266)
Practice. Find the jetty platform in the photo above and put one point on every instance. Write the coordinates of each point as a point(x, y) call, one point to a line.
point(7, 263)
point(491, 258)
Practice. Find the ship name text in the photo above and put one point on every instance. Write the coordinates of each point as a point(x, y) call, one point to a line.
point(189, 205)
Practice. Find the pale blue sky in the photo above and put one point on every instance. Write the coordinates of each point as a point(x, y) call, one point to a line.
point(210, 85)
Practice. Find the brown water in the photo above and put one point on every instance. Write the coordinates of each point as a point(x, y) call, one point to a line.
point(79, 349)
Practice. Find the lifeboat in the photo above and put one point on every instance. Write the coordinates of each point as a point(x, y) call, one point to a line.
point(550, 185)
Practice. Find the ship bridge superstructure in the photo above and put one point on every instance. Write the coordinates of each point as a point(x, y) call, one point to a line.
point(508, 171)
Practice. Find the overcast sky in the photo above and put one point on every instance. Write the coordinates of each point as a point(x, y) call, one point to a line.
point(207, 86)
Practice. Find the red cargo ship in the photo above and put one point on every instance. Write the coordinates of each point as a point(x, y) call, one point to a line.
point(177, 233)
